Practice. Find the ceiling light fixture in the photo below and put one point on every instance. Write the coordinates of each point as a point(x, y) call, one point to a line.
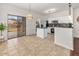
point(70, 11)
point(69, 8)
point(29, 15)
point(50, 10)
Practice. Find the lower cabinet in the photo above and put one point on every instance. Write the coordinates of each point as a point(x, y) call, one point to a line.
point(75, 52)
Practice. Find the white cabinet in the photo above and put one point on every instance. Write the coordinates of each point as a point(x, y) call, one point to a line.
point(62, 19)
point(63, 37)
point(49, 30)
point(42, 32)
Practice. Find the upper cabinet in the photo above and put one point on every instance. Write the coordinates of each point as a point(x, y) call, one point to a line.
point(63, 19)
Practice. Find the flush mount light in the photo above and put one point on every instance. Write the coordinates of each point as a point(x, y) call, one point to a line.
point(52, 10)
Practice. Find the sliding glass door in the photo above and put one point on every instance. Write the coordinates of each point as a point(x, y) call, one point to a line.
point(12, 26)
point(16, 26)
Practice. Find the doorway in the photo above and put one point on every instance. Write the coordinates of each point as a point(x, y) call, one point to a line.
point(16, 26)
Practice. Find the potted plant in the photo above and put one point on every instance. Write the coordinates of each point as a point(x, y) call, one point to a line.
point(2, 27)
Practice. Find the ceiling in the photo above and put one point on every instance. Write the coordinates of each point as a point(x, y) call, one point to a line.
point(41, 7)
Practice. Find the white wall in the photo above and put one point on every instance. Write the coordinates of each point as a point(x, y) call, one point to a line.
point(31, 25)
point(62, 13)
point(76, 24)
point(31, 29)
point(0, 20)
point(9, 9)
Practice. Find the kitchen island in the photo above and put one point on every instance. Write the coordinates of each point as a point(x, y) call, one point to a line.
point(42, 32)
point(64, 36)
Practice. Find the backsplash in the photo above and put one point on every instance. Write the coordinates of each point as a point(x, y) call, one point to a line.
point(65, 25)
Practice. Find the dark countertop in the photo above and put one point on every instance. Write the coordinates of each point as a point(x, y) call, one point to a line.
point(64, 27)
point(42, 27)
point(61, 25)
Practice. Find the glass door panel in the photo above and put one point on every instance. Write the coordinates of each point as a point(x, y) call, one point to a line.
point(12, 26)
point(16, 26)
point(21, 29)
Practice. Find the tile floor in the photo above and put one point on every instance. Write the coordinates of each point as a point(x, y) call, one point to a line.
point(32, 46)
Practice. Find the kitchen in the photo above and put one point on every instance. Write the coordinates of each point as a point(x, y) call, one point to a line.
point(62, 31)
point(58, 24)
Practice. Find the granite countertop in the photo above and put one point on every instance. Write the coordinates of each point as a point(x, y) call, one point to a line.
point(42, 27)
point(63, 25)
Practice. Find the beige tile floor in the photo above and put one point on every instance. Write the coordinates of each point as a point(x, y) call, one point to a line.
point(32, 46)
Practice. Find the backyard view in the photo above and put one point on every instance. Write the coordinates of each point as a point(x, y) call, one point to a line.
point(12, 24)
point(16, 26)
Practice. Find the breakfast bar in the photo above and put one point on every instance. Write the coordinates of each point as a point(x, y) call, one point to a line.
point(42, 32)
